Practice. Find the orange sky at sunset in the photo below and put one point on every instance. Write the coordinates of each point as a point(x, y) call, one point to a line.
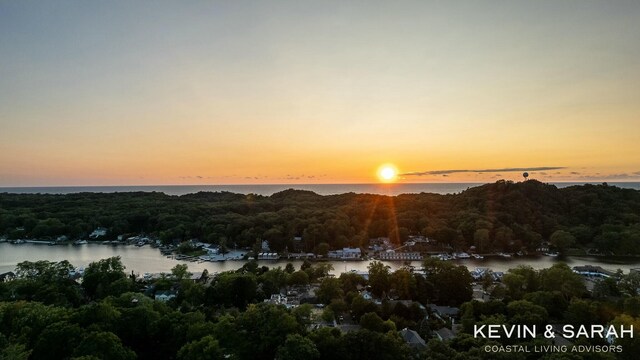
point(325, 92)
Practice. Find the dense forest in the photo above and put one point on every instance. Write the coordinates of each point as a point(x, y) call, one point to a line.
point(47, 314)
point(502, 216)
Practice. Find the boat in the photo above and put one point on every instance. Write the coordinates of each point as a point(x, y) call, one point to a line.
point(80, 242)
point(477, 256)
point(552, 254)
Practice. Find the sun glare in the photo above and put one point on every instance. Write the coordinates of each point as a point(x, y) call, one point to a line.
point(387, 173)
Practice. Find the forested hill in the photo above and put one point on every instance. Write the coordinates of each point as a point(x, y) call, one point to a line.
point(502, 216)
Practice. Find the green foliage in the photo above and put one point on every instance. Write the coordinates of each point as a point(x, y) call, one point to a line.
point(330, 288)
point(180, 271)
point(261, 329)
point(379, 278)
point(298, 278)
point(104, 345)
point(105, 277)
point(206, 348)
point(523, 312)
point(451, 284)
point(503, 216)
point(233, 289)
point(561, 278)
point(562, 240)
point(222, 320)
point(297, 347)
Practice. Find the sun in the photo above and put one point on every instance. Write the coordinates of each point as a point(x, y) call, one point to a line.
point(387, 173)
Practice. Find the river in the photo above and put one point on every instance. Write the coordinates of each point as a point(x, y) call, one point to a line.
point(149, 260)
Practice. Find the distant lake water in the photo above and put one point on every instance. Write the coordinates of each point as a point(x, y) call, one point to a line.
point(321, 189)
point(149, 260)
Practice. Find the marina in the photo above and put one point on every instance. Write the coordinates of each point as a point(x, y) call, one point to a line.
point(146, 259)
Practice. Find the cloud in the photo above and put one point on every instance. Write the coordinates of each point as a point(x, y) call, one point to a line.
point(447, 172)
point(636, 173)
point(575, 173)
point(620, 176)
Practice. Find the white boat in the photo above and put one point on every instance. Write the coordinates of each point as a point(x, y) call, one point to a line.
point(80, 242)
point(554, 254)
point(476, 256)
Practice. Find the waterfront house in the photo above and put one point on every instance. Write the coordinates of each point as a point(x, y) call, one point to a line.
point(98, 232)
point(345, 254)
point(593, 271)
point(391, 255)
point(268, 256)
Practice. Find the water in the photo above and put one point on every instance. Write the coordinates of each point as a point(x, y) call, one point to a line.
point(322, 189)
point(149, 260)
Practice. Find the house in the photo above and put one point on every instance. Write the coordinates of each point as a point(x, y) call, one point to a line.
point(444, 334)
point(345, 254)
point(265, 246)
point(8, 276)
point(297, 244)
point(590, 270)
point(164, 296)
point(413, 339)
point(391, 255)
point(543, 248)
point(98, 232)
point(363, 274)
point(268, 256)
point(559, 338)
point(444, 311)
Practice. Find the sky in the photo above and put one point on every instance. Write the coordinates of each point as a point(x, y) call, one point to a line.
point(236, 92)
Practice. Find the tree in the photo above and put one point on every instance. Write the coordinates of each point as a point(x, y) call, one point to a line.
point(451, 283)
point(379, 278)
point(330, 288)
point(371, 321)
point(233, 289)
point(630, 283)
point(100, 275)
point(104, 345)
point(57, 341)
point(522, 312)
point(562, 240)
point(269, 326)
point(297, 347)
point(481, 240)
point(289, 268)
point(403, 283)
point(180, 271)
point(630, 345)
point(298, 278)
point(207, 348)
point(322, 249)
point(561, 278)
point(350, 281)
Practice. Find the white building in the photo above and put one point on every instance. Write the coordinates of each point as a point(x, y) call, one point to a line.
point(164, 296)
point(345, 254)
point(98, 232)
